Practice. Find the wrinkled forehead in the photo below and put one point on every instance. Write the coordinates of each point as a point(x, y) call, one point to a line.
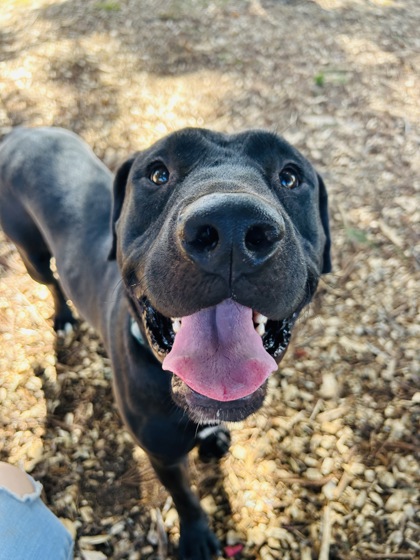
point(189, 147)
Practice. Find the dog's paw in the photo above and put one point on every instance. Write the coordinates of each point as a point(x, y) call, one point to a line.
point(65, 329)
point(197, 541)
point(65, 324)
point(213, 442)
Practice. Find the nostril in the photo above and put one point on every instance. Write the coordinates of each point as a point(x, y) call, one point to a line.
point(206, 238)
point(261, 237)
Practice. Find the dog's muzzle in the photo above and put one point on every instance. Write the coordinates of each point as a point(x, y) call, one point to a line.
point(222, 355)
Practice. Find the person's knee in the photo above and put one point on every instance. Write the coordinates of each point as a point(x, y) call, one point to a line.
point(28, 529)
point(15, 480)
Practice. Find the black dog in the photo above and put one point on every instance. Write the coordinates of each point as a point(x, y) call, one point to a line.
point(220, 241)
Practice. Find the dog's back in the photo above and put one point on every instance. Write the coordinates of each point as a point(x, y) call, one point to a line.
point(55, 200)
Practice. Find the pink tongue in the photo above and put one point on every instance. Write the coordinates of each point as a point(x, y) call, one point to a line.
point(218, 353)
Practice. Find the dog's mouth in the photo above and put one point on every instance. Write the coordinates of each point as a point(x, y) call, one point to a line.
point(161, 330)
point(220, 356)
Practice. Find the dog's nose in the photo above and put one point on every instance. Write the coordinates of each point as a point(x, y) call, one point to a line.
point(230, 230)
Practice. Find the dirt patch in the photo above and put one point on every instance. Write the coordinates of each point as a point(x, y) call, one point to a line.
point(330, 467)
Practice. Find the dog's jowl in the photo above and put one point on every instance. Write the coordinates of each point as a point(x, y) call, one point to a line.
point(219, 241)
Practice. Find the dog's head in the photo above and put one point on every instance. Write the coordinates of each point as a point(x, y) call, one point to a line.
point(221, 240)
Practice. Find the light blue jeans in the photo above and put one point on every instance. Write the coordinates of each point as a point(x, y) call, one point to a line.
point(29, 530)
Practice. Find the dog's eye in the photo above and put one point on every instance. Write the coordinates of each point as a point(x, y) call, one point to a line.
point(289, 178)
point(159, 175)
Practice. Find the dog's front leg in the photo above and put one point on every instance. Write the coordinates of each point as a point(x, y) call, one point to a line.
point(197, 542)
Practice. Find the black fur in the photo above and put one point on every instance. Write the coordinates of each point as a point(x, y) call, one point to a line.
point(223, 226)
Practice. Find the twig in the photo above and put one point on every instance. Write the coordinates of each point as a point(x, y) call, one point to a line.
point(333, 414)
point(390, 234)
point(390, 444)
point(324, 552)
point(390, 556)
point(314, 483)
point(342, 485)
point(317, 408)
point(162, 536)
point(412, 544)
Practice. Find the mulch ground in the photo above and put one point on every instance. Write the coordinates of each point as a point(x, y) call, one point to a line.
point(329, 468)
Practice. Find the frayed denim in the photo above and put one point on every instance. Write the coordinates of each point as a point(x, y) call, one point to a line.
point(29, 530)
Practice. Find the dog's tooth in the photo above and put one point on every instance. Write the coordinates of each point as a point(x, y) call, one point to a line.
point(260, 329)
point(260, 319)
point(176, 325)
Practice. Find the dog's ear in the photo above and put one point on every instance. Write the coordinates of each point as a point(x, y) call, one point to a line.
point(323, 210)
point(120, 183)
